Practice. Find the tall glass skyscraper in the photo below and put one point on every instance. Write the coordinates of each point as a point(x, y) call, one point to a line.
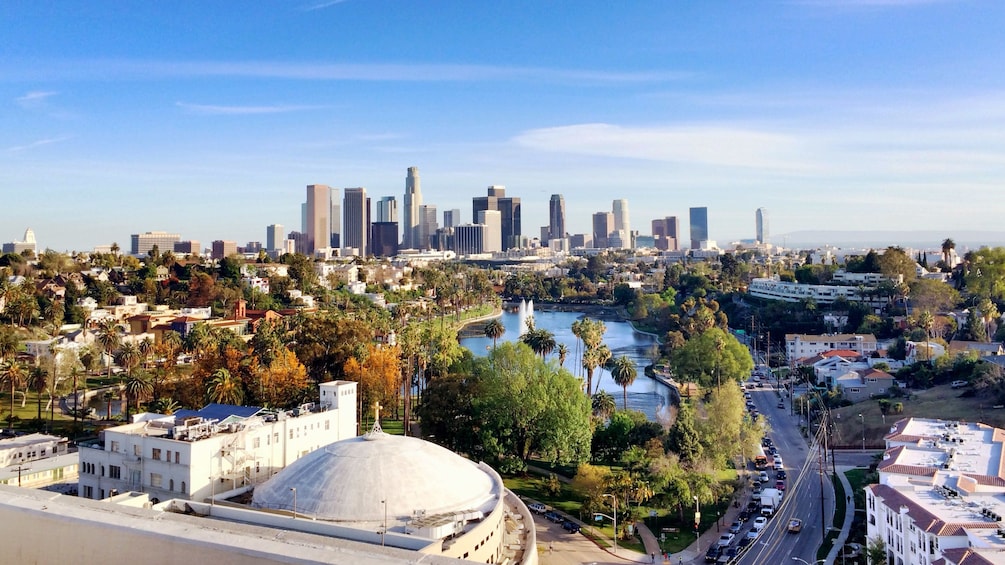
point(556, 217)
point(410, 212)
point(761, 221)
point(699, 226)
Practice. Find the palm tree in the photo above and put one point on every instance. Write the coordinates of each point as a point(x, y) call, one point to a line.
point(494, 330)
point(225, 388)
point(989, 313)
point(37, 383)
point(593, 358)
point(624, 374)
point(146, 349)
point(128, 356)
point(13, 376)
point(563, 352)
point(108, 338)
point(10, 343)
point(138, 386)
point(603, 404)
point(540, 340)
point(947, 252)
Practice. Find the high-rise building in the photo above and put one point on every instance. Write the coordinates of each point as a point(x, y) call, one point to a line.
point(556, 217)
point(318, 227)
point(469, 239)
point(699, 226)
point(603, 224)
point(142, 243)
point(274, 236)
point(428, 225)
point(492, 238)
point(622, 223)
point(761, 221)
point(222, 248)
point(190, 247)
point(410, 215)
point(356, 225)
point(387, 210)
point(384, 239)
point(451, 218)
point(335, 219)
point(510, 213)
point(666, 234)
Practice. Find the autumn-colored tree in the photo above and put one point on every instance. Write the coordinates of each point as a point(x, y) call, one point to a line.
point(377, 374)
point(283, 383)
point(201, 290)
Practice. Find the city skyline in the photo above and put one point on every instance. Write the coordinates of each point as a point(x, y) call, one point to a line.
point(174, 119)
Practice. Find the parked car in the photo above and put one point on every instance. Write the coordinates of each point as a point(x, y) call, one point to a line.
point(743, 516)
point(762, 476)
point(726, 539)
point(728, 555)
point(760, 522)
point(766, 441)
point(780, 484)
point(744, 542)
point(735, 527)
point(537, 508)
point(959, 384)
point(553, 516)
point(570, 526)
point(781, 475)
point(795, 526)
point(713, 553)
point(781, 405)
point(752, 535)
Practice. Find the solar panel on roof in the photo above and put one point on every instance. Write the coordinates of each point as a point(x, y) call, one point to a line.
point(218, 412)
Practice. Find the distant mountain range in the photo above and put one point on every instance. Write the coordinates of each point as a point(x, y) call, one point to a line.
point(920, 239)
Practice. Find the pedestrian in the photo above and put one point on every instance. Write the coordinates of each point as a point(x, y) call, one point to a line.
point(551, 547)
point(652, 558)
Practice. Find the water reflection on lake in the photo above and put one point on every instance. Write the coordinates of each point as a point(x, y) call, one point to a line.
point(645, 395)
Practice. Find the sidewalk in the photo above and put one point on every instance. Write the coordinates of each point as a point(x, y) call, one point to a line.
point(849, 515)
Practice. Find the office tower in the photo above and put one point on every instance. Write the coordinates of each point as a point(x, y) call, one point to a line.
point(443, 239)
point(356, 223)
point(299, 242)
point(303, 217)
point(581, 240)
point(274, 237)
point(387, 210)
point(492, 241)
point(451, 218)
point(223, 249)
point(428, 225)
point(413, 199)
point(699, 226)
point(510, 213)
point(556, 217)
point(142, 243)
point(603, 223)
point(335, 219)
point(384, 239)
point(190, 247)
point(622, 224)
point(317, 228)
point(666, 234)
point(761, 221)
point(469, 239)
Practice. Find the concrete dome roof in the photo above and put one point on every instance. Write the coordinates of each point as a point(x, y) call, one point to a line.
point(347, 481)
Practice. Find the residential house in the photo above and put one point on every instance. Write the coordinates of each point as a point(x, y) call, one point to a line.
point(860, 385)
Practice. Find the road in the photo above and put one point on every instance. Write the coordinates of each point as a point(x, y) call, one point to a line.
point(558, 547)
point(802, 498)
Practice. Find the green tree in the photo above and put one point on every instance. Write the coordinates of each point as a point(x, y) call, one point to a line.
point(108, 339)
point(985, 276)
point(624, 373)
point(948, 245)
point(494, 330)
point(527, 406)
point(603, 404)
point(225, 388)
point(700, 359)
point(13, 376)
point(683, 438)
point(875, 551)
point(137, 388)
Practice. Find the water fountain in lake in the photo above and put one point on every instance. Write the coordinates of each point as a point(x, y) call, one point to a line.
point(525, 312)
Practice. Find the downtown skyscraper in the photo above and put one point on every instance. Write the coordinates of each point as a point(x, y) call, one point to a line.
point(761, 225)
point(410, 212)
point(622, 225)
point(356, 227)
point(316, 224)
point(556, 217)
point(509, 210)
point(698, 226)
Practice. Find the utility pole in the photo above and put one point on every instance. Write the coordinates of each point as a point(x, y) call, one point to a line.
point(820, 473)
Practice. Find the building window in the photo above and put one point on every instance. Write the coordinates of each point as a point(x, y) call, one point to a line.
point(137, 450)
point(176, 457)
point(291, 434)
point(171, 485)
point(156, 454)
point(183, 491)
point(156, 480)
point(327, 424)
point(115, 445)
point(114, 472)
point(257, 442)
point(88, 492)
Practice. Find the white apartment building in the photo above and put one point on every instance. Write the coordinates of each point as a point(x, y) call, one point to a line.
point(940, 499)
point(194, 454)
point(801, 346)
point(772, 288)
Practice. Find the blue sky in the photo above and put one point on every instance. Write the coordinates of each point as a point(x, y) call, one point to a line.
point(210, 118)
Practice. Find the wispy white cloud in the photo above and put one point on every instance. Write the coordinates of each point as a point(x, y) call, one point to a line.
point(120, 69)
point(34, 98)
point(704, 144)
point(215, 110)
point(323, 5)
point(39, 143)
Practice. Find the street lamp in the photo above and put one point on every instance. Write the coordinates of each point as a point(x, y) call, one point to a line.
point(862, 418)
point(615, 499)
point(294, 491)
point(697, 522)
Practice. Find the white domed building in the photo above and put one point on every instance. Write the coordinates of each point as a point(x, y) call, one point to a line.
point(408, 493)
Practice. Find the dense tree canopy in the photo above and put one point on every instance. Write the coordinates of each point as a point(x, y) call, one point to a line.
point(710, 358)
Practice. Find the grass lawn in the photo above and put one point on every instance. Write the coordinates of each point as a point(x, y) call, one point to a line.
point(942, 402)
point(392, 427)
